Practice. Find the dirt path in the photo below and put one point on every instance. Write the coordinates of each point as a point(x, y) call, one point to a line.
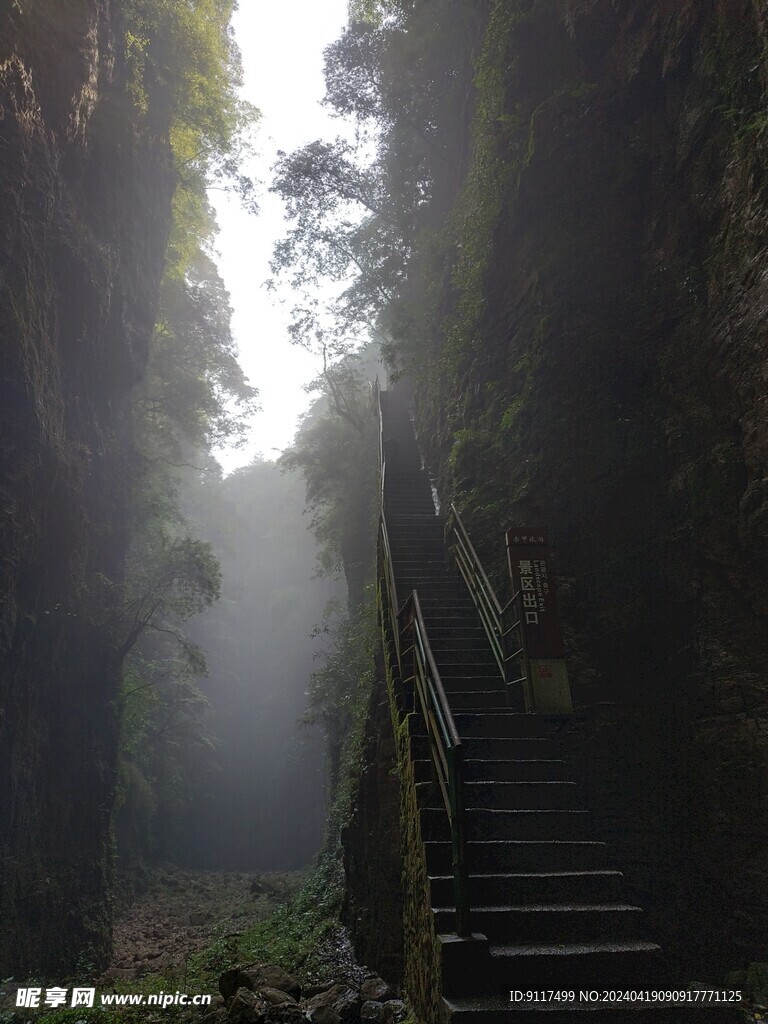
point(185, 911)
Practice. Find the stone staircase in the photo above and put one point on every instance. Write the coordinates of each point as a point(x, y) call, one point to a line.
point(547, 911)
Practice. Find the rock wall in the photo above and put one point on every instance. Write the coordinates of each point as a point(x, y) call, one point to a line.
point(83, 226)
point(615, 388)
point(373, 903)
point(388, 895)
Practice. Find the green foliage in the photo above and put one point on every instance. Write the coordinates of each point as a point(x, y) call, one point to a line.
point(194, 394)
point(341, 233)
point(357, 211)
point(338, 695)
point(335, 450)
point(185, 71)
point(297, 936)
point(184, 74)
point(470, 231)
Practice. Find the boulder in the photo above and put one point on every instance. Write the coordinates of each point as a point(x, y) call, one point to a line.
point(274, 996)
point(398, 1008)
point(316, 989)
point(286, 1013)
point(347, 1005)
point(377, 989)
point(321, 1008)
point(372, 1012)
point(272, 976)
point(217, 1016)
point(247, 1007)
point(392, 1011)
point(233, 979)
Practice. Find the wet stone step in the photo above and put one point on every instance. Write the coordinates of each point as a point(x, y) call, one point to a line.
point(519, 770)
point(500, 748)
point(521, 795)
point(467, 651)
point(563, 887)
point(488, 823)
point(421, 564)
point(480, 666)
point(490, 680)
point(450, 623)
point(585, 965)
point(520, 855)
point(560, 923)
point(500, 724)
point(508, 796)
point(449, 639)
point(474, 700)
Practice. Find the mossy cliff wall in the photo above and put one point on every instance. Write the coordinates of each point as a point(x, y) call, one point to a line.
point(373, 905)
point(603, 370)
point(388, 898)
point(83, 227)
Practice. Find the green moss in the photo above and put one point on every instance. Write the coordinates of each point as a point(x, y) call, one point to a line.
point(423, 976)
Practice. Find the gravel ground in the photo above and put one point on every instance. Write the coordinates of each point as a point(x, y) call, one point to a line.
point(184, 911)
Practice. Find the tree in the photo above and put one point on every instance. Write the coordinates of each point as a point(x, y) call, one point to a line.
point(194, 393)
point(183, 54)
point(341, 231)
point(335, 450)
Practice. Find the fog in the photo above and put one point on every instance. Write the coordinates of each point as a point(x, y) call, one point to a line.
point(261, 803)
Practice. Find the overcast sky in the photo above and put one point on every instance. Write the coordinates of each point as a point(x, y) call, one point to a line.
point(282, 47)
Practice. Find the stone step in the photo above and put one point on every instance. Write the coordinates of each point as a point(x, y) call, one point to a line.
point(458, 624)
point(412, 572)
point(597, 964)
point(493, 747)
point(502, 724)
point(439, 598)
point(438, 613)
point(450, 639)
point(519, 770)
point(547, 922)
point(420, 504)
point(475, 700)
point(461, 681)
point(463, 704)
point(596, 887)
point(486, 823)
point(484, 723)
point(508, 796)
point(445, 590)
point(467, 669)
point(416, 567)
point(498, 855)
point(548, 796)
point(452, 616)
point(405, 541)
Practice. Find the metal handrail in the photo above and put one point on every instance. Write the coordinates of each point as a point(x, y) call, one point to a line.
point(445, 747)
point(505, 633)
point(390, 588)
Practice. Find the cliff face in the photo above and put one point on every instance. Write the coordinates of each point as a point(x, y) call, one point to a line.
point(83, 225)
point(615, 389)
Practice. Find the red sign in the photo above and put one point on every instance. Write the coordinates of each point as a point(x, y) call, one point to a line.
point(529, 562)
